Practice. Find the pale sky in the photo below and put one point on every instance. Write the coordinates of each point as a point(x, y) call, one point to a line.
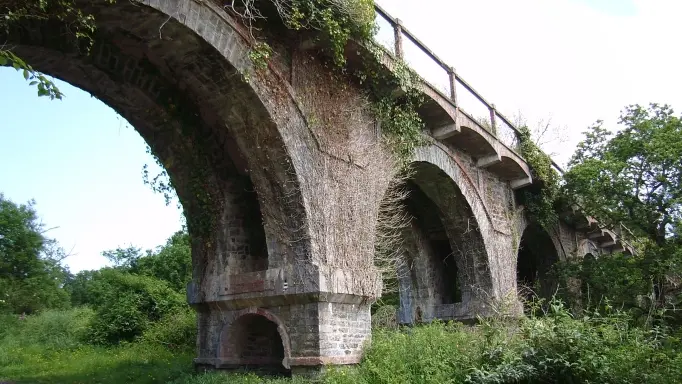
point(574, 60)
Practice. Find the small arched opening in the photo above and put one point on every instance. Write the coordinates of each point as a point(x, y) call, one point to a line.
point(254, 342)
point(536, 256)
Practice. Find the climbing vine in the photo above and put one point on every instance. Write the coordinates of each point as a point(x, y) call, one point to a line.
point(337, 20)
point(401, 125)
point(539, 199)
point(260, 54)
point(394, 99)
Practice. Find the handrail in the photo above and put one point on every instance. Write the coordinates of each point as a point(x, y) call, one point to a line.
point(400, 31)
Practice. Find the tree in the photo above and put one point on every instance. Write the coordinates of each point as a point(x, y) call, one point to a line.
point(127, 304)
point(123, 258)
point(31, 277)
point(634, 177)
point(171, 262)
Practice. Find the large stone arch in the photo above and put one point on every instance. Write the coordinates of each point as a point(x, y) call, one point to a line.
point(179, 72)
point(449, 206)
point(440, 158)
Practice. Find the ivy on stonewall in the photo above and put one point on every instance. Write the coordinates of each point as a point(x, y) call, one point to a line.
point(539, 199)
point(392, 92)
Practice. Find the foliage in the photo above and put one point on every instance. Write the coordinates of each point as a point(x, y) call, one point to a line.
point(45, 86)
point(171, 262)
point(123, 257)
point(618, 278)
point(635, 177)
point(79, 287)
point(126, 305)
point(161, 183)
point(79, 26)
point(394, 99)
point(260, 54)
point(30, 278)
point(176, 330)
point(48, 348)
point(539, 199)
point(555, 347)
point(337, 20)
point(53, 330)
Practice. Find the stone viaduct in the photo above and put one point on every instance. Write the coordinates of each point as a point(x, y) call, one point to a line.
point(281, 173)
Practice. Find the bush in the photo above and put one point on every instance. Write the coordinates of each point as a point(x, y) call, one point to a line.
point(599, 347)
point(128, 304)
point(176, 330)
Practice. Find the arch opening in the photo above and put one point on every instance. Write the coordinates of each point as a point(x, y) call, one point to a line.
point(185, 96)
point(536, 256)
point(430, 255)
point(442, 257)
point(253, 342)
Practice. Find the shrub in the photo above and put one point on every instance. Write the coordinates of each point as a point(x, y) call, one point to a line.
point(176, 330)
point(128, 304)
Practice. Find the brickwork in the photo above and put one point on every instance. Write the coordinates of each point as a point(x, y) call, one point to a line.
point(281, 174)
point(244, 246)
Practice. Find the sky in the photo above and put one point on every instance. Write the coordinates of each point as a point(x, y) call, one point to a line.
point(82, 164)
point(574, 61)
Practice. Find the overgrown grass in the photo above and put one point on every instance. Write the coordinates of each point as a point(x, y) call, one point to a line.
point(553, 348)
point(50, 348)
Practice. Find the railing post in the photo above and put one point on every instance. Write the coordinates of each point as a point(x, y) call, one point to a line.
point(453, 85)
point(398, 35)
point(493, 113)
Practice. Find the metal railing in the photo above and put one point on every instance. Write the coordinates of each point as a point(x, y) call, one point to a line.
point(445, 79)
point(398, 40)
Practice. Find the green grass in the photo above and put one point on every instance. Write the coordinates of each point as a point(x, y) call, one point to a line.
point(51, 348)
point(556, 348)
point(87, 364)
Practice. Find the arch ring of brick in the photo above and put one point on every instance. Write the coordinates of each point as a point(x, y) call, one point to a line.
point(440, 157)
point(224, 343)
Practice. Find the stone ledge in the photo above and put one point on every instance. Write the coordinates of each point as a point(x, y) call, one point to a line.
point(301, 283)
point(324, 360)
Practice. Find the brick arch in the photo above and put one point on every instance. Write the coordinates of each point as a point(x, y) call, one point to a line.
point(588, 247)
point(537, 251)
point(454, 205)
point(523, 223)
point(227, 341)
point(439, 159)
point(175, 70)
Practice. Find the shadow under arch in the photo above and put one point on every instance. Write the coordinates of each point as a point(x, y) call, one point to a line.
point(180, 85)
point(537, 253)
point(254, 338)
point(446, 272)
